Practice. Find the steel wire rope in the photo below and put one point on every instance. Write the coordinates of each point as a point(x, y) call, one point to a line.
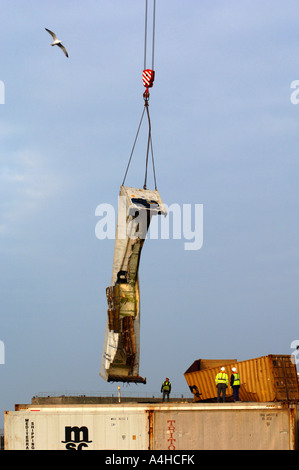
point(146, 98)
point(133, 146)
point(154, 33)
point(149, 145)
point(145, 33)
point(145, 36)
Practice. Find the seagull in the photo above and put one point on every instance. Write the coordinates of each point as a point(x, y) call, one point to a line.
point(57, 42)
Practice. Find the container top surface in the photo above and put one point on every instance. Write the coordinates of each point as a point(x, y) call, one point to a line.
point(132, 407)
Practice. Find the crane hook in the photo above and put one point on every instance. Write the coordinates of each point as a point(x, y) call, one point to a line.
point(148, 77)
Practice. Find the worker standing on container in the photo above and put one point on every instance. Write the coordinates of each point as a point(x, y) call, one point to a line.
point(166, 389)
point(221, 384)
point(235, 383)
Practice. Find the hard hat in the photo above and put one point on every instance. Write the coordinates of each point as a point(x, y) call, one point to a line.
point(223, 369)
point(234, 369)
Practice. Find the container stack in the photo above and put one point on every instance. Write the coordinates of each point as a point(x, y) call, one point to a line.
point(264, 379)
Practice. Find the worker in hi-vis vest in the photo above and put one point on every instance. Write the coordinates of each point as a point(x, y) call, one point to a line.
point(235, 383)
point(221, 384)
point(166, 389)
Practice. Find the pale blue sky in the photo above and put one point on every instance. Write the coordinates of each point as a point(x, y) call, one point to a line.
point(225, 135)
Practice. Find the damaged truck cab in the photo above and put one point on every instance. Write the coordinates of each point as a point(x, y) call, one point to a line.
point(121, 351)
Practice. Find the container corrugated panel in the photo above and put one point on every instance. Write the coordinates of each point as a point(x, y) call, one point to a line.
point(205, 426)
point(202, 364)
point(224, 427)
point(264, 379)
point(284, 373)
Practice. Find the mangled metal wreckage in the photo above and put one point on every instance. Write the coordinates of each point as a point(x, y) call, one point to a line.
point(121, 351)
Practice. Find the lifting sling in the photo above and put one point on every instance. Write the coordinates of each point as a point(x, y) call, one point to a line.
point(148, 76)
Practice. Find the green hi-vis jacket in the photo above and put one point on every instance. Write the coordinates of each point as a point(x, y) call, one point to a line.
point(166, 386)
point(221, 378)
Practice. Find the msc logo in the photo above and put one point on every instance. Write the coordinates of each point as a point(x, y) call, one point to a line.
point(76, 438)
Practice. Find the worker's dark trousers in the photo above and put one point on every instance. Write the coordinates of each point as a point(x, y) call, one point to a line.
point(221, 390)
point(236, 393)
point(165, 392)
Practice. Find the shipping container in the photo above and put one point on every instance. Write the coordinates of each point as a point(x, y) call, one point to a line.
point(264, 379)
point(166, 426)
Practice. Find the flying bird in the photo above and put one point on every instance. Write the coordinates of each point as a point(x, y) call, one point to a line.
point(57, 42)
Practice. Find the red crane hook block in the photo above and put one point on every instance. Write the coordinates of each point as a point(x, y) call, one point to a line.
point(148, 77)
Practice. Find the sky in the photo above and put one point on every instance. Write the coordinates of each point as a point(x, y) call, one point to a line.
point(225, 131)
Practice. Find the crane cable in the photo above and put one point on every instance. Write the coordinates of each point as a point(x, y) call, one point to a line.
point(148, 77)
point(145, 33)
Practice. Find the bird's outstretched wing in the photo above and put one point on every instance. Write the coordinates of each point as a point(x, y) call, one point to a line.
point(63, 48)
point(52, 34)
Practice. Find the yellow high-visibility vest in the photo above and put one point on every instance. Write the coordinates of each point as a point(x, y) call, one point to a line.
point(236, 380)
point(166, 386)
point(221, 378)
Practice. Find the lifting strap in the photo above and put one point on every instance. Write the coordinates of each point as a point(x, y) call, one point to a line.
point(148, 76)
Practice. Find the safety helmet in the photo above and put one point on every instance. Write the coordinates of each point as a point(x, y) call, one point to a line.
point(234, 369)
point(223, 369)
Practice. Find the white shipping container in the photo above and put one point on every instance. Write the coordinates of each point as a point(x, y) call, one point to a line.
point(76, 428)
point(253, 426)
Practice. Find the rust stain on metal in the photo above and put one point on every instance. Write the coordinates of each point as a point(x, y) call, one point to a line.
point(150, 429)
point(293, 427)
